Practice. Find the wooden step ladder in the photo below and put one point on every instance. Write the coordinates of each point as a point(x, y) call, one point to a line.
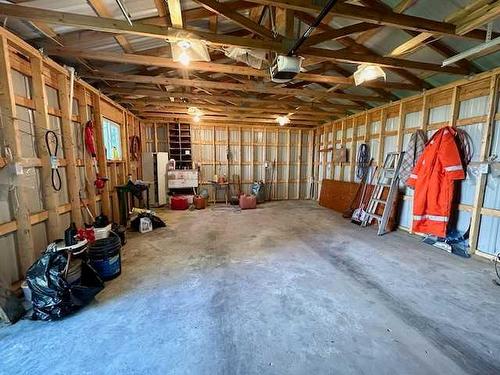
point(387, 178)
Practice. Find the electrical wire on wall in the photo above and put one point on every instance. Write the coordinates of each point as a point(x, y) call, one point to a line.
point(363, 161)
point(51, 139)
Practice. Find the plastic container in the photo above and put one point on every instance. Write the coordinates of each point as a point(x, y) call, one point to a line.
point(199, 202)
point(105, 257)
point(248, 202)
point(179, 203)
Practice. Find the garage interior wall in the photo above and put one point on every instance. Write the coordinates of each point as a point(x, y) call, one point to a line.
point(245, 151)
point(34, 98)
point(470, 104)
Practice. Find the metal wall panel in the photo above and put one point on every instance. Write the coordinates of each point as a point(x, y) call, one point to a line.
point(489, 234)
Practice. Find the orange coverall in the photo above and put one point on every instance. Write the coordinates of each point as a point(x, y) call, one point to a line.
point(433, 180)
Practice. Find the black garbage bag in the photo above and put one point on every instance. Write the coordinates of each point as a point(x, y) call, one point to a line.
point(155, 220)
point(11, 308)
point(52, 296)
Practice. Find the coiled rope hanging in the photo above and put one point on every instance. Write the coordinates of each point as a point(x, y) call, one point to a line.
point(465, 145)
point(51, 138)
point(363, 161)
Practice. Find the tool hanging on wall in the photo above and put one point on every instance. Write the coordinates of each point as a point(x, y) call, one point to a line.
point(51, 139)
point(362, 161)
point(100, 181)
point(135, 147)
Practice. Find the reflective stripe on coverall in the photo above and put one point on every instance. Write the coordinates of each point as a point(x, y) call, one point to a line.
point(433, 180)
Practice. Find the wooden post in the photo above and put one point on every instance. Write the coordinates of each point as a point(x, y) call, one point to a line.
point(401, 126)
point(84, 114)
point(310, 163)
point(455, 106)
point(69, 149)
point(425, 112)
point(155, 138)
point(42, 125)
point(354, 147)
point(101, 155)
point(343, 144)
point(380, 151)
point(299, 164)
point(486, 140)
point(25, 248)
point(227, 154)
point(125, 146)
point(287, 192)
point(113, 181)
point(332, 164)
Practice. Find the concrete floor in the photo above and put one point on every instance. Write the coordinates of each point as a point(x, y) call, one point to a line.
point(289, 288)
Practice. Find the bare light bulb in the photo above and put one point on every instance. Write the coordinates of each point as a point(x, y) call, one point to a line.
point(282, 120)
point(184, 58)
point(197, 118)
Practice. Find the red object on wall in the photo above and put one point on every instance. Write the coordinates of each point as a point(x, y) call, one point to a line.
point(248, 201)
point(89, 139)
point(179, 203)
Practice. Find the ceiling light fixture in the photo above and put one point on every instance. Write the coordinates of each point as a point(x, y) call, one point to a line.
point(368, 72)
point(197, 118)
point(282, 120)
point(184, 57)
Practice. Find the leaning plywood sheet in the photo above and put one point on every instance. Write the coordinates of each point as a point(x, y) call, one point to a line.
point(337, 195)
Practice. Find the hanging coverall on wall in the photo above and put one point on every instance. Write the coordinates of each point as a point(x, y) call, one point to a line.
point(433, 180)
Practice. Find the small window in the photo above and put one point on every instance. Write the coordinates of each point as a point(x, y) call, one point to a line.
point(112, 139)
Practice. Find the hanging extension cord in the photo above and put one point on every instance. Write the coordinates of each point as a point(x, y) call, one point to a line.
point(54, 163)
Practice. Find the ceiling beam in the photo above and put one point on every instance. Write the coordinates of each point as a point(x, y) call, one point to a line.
point(245, 87)
point(165, 62)
point(338, 33)
point(112, 25)
point(292, 103)
point(175, 11)
point(157, 104)
point(377, 16)
point(161, 8)
point(436, 45)
point(211, 118)
point(225, 11)
point(101, 10)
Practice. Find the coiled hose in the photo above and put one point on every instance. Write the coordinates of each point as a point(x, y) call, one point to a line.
point(56, 176)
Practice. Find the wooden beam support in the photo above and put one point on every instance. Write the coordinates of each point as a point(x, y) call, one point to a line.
point(42, 125)
point(114, 26)
point(146, 60)
point(334, 34)
point(225, 11)
point(72, 176)
point(175, 10)
point(102, 11)
point(377, 16)
point(484, 152)
point(24, 237)
point(246, 87)
point(289, 103)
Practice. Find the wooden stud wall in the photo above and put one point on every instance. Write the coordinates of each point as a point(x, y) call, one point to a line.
point(45, 74)
point(484, 84)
